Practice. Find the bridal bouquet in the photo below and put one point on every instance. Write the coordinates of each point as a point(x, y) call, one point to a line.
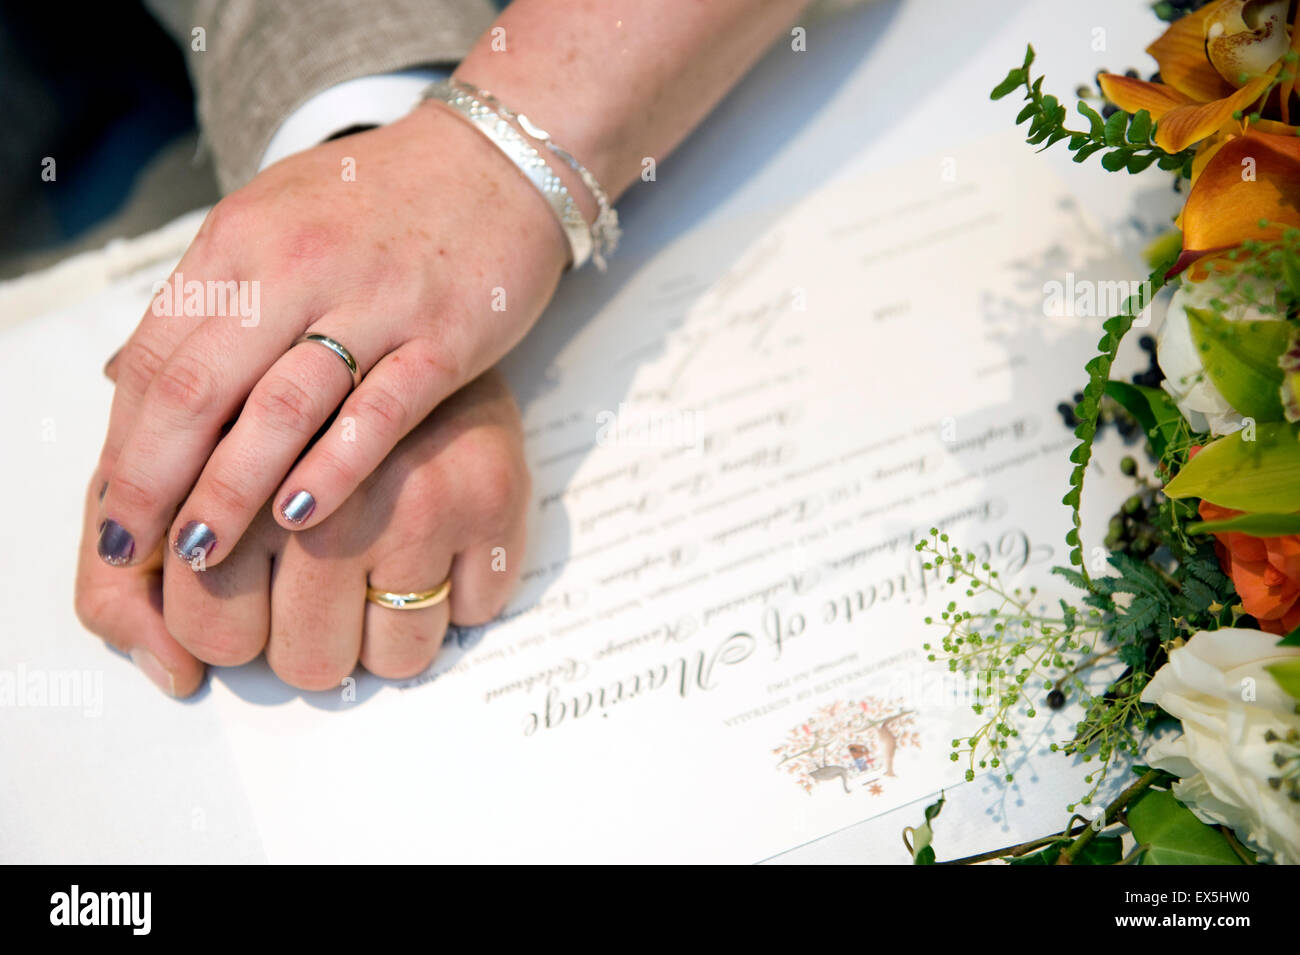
point(1194, 601)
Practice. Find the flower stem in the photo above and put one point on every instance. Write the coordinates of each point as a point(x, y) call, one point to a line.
point(1081, 835)
point(1017, 850)
point(1072, 851)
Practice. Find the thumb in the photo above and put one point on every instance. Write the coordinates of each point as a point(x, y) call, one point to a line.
point(123, 606)
point(110, 366)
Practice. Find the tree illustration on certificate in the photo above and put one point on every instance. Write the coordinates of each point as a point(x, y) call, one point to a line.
point(849, 744)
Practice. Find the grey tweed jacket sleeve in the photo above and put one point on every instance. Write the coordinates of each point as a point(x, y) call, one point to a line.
point(256, 60)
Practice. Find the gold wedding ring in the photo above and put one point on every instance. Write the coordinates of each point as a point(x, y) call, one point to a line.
point(415, 601)
point(338, 349)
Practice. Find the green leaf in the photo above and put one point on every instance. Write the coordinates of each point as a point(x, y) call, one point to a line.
point(1256, 525)
point(1291, 275)
point(1115, 126)
point(1260, 475)
point(1055, 138)
point(1196, 595)
point(1073, 576)
point(1164, 250)
point(1067, 616)
point(923, 835)
point(1154, 409)
point(1101, 850)
point(1138, 577)
point(1287, 674)
point(1207, 570)
point(1139, 131)
point(1015, 79)
point(1137, 163)
point(1173, 835)
point(1098, 369)
point(1241, 360)
point(1116, 160)
point(1292, 639)
point(1162, 782)
point(1087, 151)
point(1096, 125)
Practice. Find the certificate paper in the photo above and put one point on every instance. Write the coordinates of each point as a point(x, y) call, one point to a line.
point(716, 651)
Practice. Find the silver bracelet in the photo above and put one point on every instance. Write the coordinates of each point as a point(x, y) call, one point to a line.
point(605, 232)
point(530, 162)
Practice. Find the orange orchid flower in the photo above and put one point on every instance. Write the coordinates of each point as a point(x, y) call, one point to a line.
point(1249, 180)
point(1193, 102)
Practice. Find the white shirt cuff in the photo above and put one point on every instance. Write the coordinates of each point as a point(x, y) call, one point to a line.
point(364, 101)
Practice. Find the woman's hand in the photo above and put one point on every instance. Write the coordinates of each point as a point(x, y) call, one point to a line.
point(449, 501)
point(418, 246)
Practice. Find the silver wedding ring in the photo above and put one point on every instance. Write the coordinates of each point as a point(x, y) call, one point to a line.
point(338, 349)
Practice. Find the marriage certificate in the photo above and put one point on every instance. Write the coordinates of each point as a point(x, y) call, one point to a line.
point(717, 650)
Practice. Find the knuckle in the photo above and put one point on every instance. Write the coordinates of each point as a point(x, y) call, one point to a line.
point(407, 649)
point(93, 606)
point(478, 613)
point(216, 645)
point(423, 494)
point(335, 469)
point(185, 385)
point(498, 486)
point(306, 671)
point(377, 404)
point(229, 218)
point(132, 494)
point(435, 361)
point(229, 494)
point(138, 366)
point(285, 405)
point(401, 666)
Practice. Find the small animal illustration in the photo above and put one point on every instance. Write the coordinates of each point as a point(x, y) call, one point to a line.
point(823, 774)
point(888, 744)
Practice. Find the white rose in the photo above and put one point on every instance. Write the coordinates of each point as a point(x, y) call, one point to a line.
point(1185, 379)
point(1217, 687)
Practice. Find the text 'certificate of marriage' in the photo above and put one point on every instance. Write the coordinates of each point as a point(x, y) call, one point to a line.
point(715, 653)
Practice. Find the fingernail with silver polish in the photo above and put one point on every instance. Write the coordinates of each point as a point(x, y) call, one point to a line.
point(148, 664)
point(195, 541)
point(296, 508)
point(116, 545)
